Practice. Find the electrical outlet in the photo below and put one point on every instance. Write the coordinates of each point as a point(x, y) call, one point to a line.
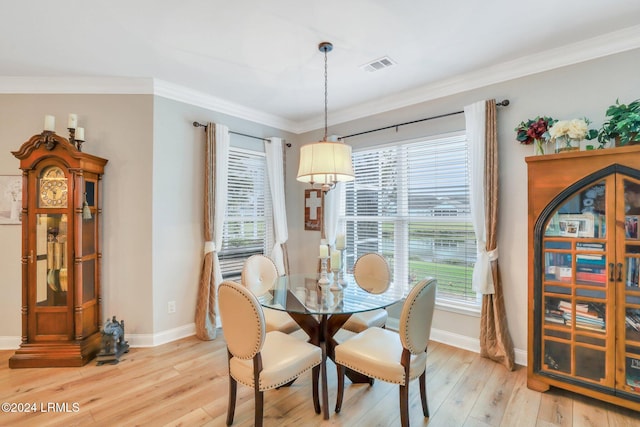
point(171, 307)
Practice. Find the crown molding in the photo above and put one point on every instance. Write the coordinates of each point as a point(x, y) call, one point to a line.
point(200, 99)
point(75, 85)
point(597, 47)
point(608, 44)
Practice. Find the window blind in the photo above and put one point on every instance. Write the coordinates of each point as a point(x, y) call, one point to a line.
point(248, 225)
point(410, 202)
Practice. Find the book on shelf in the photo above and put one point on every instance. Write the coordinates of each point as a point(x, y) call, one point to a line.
point(632, 373)
point(565, 305)
point(632, 272)
point(596, 278)
point(590, 246)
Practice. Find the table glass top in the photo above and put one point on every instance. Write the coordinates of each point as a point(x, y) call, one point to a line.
point(300, 293)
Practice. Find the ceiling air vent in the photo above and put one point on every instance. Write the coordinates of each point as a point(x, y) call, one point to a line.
point(378, 64)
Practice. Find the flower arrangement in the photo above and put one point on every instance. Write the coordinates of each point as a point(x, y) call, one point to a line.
point(577, 129)
point(534, 130)
point(567, 134)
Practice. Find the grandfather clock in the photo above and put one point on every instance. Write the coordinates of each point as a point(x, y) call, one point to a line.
point(61, 253)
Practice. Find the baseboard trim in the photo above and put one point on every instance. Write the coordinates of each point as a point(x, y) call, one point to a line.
point(460, 341)
point(134, 340)
point(164, 337)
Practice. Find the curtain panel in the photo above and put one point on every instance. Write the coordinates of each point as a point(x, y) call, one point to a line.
point(495, 339)
point(275, 170)
point(215, 202)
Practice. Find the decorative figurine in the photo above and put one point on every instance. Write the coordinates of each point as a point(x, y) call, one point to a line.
point(113, 342)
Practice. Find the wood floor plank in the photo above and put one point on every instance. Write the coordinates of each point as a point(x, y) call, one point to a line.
point(493, 399)
point(455, 409)
point(185, 383)
point(522, 408)
point(556, 408)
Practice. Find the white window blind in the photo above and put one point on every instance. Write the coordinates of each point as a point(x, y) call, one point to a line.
point(248, 225)
point(410, 202)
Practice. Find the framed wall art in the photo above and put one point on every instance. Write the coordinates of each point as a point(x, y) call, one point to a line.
point(10, 199)
point(313, 207)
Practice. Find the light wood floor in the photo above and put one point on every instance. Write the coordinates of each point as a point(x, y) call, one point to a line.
point(184, 383)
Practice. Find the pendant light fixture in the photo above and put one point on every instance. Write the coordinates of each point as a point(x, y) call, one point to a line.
point(325, 162)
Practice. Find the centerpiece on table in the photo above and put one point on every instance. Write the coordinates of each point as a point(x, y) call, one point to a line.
point(536, 132)
point(567, 134)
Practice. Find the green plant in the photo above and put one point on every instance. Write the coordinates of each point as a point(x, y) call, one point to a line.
point(622, 124)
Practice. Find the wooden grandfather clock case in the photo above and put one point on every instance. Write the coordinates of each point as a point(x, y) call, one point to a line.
point(61, 253)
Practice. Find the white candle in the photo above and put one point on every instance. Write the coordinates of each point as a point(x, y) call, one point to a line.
point(49, 123)
point(336, 260)
point(79, 134)
point(73, 121)
point(324, 251)
point(340, 241)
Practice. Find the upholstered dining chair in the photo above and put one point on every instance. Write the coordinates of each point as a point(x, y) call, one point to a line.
point(394, 357)
point(259, 359)
point(259, 273)
point(371, 272)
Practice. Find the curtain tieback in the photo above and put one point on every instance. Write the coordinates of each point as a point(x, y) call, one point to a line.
point(209, 246)
point(490, 256)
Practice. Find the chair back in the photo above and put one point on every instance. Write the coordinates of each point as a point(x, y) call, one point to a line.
point(259, 274)
point(242, 320)
point(371, 272)
point(416, 316)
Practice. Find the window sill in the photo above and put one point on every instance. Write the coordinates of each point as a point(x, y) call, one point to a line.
point(456, 307)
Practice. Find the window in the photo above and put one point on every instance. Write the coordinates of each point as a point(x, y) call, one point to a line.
point(410, 202)
point(248, 226)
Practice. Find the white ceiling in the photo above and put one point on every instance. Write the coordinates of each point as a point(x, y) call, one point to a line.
point(262, 56)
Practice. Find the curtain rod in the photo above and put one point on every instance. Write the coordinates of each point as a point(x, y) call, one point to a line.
point(197, 125)
point(501, 104)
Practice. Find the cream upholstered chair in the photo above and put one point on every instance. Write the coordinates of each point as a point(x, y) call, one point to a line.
point(259, 274)
point(394, 357)
point(371, 273)
point(259, 359)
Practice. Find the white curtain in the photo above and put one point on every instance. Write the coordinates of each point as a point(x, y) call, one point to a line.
point(331, 213)
point(475, 118)
point(275, 170)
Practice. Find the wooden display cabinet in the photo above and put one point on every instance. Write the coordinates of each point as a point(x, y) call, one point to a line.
point(61, 258)
point(584, 257)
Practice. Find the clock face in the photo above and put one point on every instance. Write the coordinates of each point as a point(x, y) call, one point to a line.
point(53, 189)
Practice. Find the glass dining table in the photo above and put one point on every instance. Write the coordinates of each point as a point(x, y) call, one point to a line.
point(321, 310)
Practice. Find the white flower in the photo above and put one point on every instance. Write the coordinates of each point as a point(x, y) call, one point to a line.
point(572, 129)
point(560, 128)
point(577, 129)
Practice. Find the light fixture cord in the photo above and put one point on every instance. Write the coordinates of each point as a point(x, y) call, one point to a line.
point(325, 94)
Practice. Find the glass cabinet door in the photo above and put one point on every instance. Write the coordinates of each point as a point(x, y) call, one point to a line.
point(631, 274)
point(51, 257)
point(575, 310)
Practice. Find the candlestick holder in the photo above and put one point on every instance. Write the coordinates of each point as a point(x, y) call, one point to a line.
point(324, 280)
point(72, 136)
point(73, 140)
point(335, 285)
point(341, 281)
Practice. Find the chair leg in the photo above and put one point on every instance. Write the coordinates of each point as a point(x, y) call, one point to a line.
point(315, 375)
point(423, 394)
point(404, 405)
point(259, 403)
point(340, 395)
point(231, 409)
